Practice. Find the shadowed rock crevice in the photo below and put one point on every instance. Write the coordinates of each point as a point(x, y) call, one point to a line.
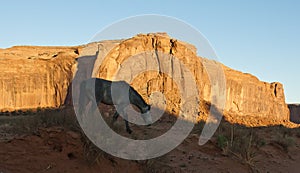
point(275, 90)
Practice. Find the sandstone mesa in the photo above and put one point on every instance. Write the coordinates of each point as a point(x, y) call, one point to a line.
point(40, 77)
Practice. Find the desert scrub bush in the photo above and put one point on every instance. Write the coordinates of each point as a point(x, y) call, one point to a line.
point(261, 142)
point(284, 137)
point(281, 130)
point(28, 112)
point(92, 153)
point(285, 141)
point(239, 141)
point(19, 112)
point(6, 113)
point(39, 109)
point(13, 113)
point(245, 144)
point(222, 143)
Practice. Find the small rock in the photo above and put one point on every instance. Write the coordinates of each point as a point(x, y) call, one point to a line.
point(73, 135)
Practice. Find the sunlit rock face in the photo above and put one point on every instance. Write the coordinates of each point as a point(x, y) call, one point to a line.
point(33, 77)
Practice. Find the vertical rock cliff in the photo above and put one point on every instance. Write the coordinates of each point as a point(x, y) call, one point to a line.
point(248, 100)
point(34, 77)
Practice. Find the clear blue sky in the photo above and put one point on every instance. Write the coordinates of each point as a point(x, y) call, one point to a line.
point(257, 37)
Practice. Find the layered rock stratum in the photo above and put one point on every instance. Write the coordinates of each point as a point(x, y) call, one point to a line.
point(39, 77)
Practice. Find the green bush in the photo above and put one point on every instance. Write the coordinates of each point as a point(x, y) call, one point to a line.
point(222, 141)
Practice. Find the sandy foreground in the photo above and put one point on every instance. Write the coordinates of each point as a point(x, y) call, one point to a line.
point(50, 141)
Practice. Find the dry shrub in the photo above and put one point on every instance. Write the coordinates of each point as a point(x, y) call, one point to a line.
point(238, 141)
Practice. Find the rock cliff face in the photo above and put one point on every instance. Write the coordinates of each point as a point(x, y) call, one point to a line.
point(35, 77)
point(294, 113)
point(248, 97)
point(248, 100)
point(39, 77)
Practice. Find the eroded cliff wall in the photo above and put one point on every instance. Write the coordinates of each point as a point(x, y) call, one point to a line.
point(248, 100)
point(35, 77)
point(40, 77)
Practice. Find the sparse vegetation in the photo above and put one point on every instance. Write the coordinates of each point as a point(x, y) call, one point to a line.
point(238, 141)
point(222, 143)
point(231, 141)
point(285, 141)
point(244, 143)
point(91, 152)
point(39, 109)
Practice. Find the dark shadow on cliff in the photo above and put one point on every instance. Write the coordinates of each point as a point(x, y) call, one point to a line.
point(294, 113)
point(85, 66)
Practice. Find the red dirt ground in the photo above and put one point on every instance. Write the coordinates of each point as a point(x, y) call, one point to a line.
point(58, 149)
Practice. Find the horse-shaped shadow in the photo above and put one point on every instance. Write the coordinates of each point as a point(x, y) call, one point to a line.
point(118, 93)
